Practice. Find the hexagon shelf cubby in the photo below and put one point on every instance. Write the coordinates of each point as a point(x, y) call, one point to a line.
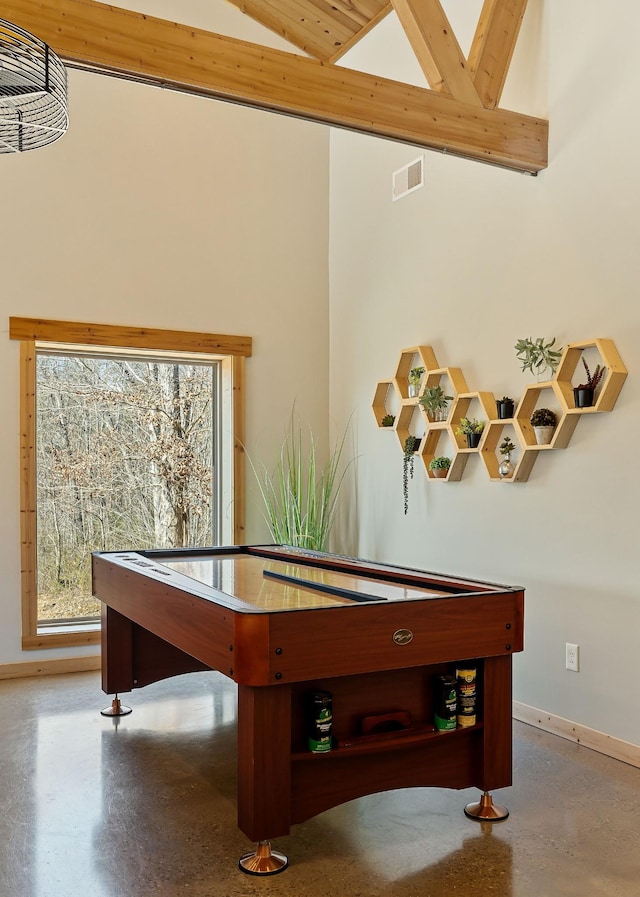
point(418, 356)
point(392, 397)
point(475, 405)
point(437, 442)
point(450, 379)
point(606, 354)
point(532, 399)
point(495, 431)
point(384, 404)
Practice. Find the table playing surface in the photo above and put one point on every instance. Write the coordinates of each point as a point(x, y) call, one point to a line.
point(275, 585)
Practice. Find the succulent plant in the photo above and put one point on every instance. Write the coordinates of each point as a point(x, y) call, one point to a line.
point(467, 426)
point(506, 446)
point(592, 379)
point(441, 463)
point(388, 420)
point(433, 399)
point(543, 417)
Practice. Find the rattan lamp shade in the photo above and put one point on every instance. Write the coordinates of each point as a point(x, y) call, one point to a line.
point(33, 91)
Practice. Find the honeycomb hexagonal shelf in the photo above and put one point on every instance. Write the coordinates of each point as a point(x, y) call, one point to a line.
point(411, 419)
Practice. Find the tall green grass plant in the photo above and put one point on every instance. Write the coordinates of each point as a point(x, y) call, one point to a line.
point(300, 496)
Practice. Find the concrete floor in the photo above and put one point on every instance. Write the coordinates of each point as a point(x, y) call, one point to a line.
point(145, 807)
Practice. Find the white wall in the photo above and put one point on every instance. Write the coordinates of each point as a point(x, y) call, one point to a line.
point(476, 259)
point(162, 210)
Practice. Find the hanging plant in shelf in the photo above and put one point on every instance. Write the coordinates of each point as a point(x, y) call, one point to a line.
point(411, 446)
point(537, 356)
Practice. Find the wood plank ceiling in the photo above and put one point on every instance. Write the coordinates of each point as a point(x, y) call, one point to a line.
point(325, 29)
point(458, 114)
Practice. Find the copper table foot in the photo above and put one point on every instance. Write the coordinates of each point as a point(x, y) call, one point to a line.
point(486, 810)
point(263, 861)
point(116, 709)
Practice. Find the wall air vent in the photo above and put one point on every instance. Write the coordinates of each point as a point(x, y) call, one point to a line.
point(408, 178)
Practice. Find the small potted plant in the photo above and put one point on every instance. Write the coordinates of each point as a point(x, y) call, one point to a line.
point(583, 394)
point(415, 379)
point(435, 402)
point(388, 420)
point(439, 467)
point(543, 421)
point(411, 446)
point(505, 407)
point(537, 356)
point(472, 429)
point(505, 468)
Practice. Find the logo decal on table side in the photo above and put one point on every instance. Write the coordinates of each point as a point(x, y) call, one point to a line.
point(402, 636)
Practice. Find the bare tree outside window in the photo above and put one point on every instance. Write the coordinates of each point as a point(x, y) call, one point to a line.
point(126, 458)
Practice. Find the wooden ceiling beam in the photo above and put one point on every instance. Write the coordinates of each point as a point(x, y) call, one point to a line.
point(94, 36)
point(437, 49)
point(493, 45)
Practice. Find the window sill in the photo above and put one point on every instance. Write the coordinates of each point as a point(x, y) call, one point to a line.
point(63, 635)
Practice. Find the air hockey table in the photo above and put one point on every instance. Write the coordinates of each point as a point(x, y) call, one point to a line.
point(284, 623)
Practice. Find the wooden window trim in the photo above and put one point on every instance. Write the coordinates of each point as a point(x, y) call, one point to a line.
point(43, 330)
point(31, 331)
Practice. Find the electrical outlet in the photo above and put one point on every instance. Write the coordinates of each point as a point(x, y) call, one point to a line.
point(572, 657)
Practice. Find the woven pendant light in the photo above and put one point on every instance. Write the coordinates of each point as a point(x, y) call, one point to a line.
point(33, 91)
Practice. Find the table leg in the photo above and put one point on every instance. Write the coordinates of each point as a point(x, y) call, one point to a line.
point(496, 755)
point(264, 767)
point(497, 735)
point(117, 652)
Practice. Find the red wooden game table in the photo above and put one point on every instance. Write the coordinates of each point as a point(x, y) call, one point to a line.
point(284, 623)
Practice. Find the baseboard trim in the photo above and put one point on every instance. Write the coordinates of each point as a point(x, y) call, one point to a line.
point(591, 738)
point(50, 667)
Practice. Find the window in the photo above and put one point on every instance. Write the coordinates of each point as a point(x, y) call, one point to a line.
point(127, 442)
point(127, 455)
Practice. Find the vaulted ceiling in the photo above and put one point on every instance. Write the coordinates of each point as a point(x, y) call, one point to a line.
point(324, 30)
point(459, 113)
